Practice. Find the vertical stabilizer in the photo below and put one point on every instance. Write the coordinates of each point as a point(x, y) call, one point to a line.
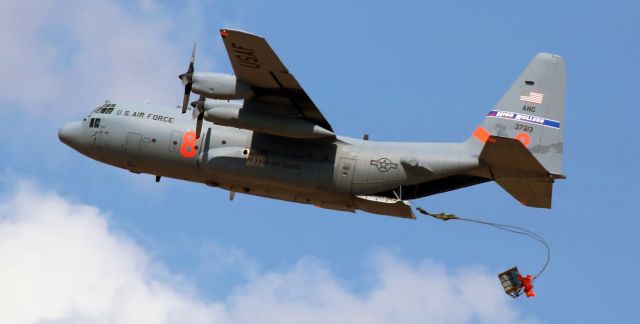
point(532, 111)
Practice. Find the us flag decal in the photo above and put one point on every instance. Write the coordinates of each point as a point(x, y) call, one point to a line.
point(531, 96)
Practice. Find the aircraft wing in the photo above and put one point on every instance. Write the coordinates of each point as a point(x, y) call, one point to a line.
point(277, 91)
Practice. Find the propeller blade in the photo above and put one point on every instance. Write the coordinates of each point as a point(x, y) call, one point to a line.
point(199, 124)
point(193, 54)
point(199, 109)
point(185, 100)
point(187, 80)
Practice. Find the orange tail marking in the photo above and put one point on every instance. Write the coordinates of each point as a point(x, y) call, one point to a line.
point(524, 138)
point(481, 134)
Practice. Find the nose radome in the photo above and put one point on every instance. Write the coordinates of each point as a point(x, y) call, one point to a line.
point(71, 134)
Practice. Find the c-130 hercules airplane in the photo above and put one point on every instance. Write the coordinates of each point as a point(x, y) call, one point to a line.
point(276, 143)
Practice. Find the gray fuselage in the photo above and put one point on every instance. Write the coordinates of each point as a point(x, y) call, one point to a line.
point(145, 138)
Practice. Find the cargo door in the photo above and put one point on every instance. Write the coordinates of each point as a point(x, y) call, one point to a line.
point(132, 146)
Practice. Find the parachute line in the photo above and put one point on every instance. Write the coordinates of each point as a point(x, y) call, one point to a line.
point(509, 228)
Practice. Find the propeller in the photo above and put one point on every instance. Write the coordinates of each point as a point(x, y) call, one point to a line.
point(198, 114)
point(187, 80)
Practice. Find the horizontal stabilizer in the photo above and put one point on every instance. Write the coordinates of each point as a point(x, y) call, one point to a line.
point(517, 171)
point(530, 193)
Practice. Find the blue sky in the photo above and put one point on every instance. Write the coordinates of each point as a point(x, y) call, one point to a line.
point(400, 71)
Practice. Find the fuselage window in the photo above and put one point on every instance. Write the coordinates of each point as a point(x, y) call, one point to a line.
point(97, 123)
point(91, 122)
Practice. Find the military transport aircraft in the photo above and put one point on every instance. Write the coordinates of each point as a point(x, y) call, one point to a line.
point(258, 132)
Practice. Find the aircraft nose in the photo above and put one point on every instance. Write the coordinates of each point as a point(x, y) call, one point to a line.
point(71, 134)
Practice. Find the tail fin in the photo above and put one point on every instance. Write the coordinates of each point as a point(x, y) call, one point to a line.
point(532, 111)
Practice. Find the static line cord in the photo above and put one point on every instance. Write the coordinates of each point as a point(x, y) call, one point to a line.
point(508, 228)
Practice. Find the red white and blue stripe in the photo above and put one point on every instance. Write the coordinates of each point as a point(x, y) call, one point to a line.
point(524, 118)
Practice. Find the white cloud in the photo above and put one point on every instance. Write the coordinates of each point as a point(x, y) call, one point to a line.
point(69, 55)
point(61, 262)
point(400, 293)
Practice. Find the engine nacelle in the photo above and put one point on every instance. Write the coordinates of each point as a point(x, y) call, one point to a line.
point(220, 86)
point(233, 116)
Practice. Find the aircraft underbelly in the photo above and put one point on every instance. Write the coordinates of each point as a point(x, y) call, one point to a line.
point(252, 167)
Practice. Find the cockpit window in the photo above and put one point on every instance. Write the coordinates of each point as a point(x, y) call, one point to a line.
point(105, 109)
point(94, 123)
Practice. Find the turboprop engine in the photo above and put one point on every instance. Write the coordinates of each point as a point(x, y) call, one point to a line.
point(219, 86)
point(226, 87)
point(211, 85)
point(233, 115)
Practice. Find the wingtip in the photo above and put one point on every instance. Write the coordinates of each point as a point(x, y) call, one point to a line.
point(224, 32)
point(549, 56)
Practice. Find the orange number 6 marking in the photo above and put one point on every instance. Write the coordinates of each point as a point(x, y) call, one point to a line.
point(188, 147)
